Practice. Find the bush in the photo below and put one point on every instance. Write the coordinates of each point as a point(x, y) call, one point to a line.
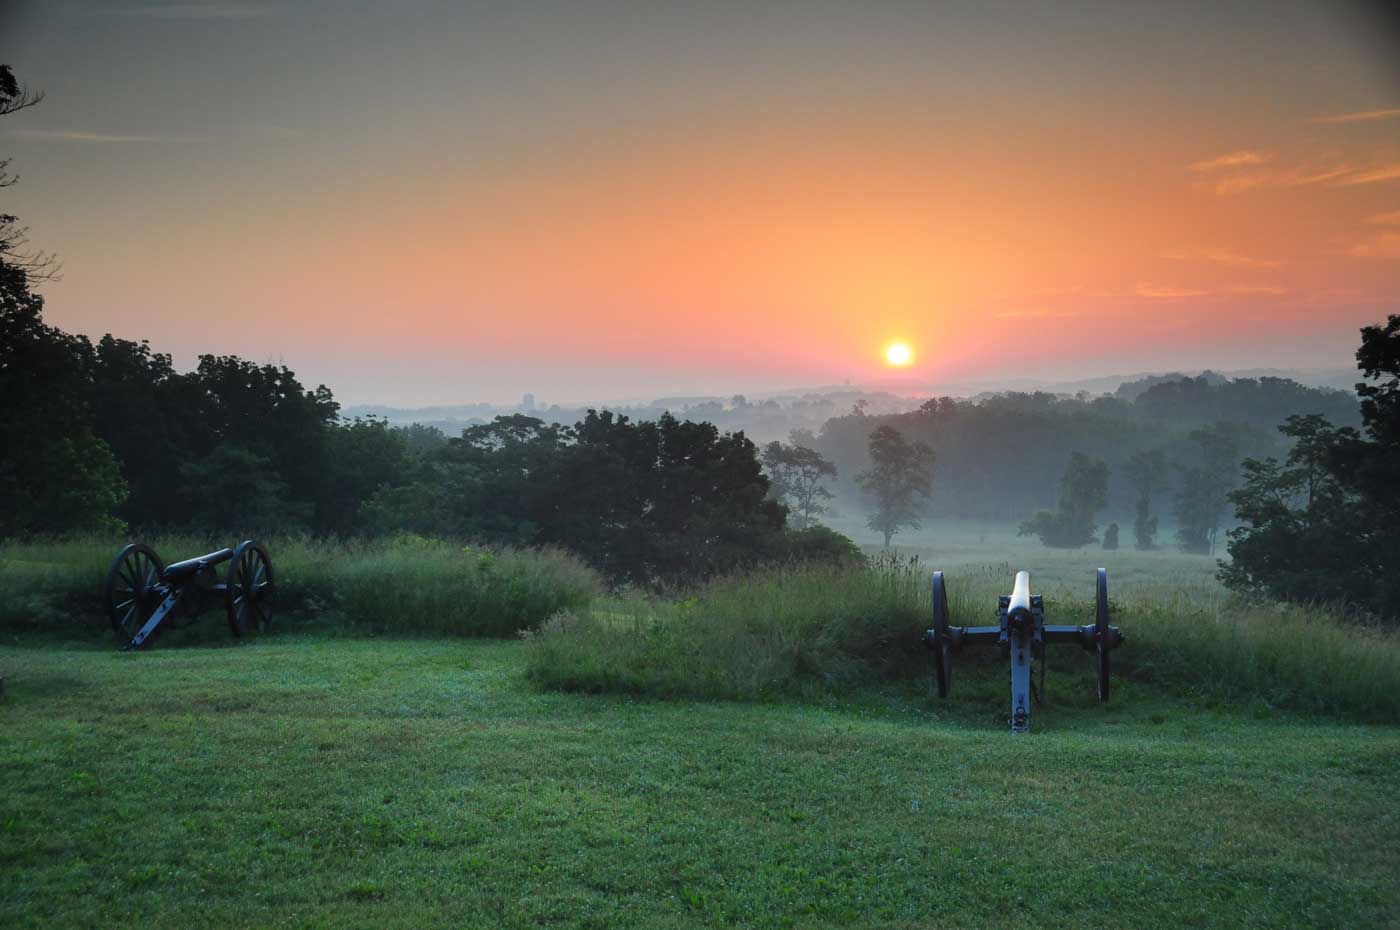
point(822, 544)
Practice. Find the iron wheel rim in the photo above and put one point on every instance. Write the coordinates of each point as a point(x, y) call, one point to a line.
point(133, 589)
point(942, 654)
point(1101, 633)
point(250, 590)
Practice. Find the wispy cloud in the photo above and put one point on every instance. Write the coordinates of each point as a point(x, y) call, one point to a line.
point(197, 11)
point(1293, 177)
point(1371, 176)
point(1219, 256)
point(1161, 292)
point(1386, 219)
point(96, 138)
point(1383, 245)
point(1231, 160)
point(1365, 116)
point(1268, 289)
point(1036, 315)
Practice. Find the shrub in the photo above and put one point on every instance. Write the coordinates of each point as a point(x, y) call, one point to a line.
point(822, 544)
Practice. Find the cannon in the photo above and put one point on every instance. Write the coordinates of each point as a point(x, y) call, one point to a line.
point(142, 591)
point(1022, 634)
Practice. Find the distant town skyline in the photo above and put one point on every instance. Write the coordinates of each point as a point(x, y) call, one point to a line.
point(420, 203)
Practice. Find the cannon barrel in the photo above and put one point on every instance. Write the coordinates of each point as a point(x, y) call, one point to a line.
point(191, 566)
point(1020, 603)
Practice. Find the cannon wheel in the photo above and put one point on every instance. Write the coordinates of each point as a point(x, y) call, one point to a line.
point(250, 590)
point(942, 641)
point(131, 590)
point(1101, 632)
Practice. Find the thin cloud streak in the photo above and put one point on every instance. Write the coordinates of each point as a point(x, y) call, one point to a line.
point(1291, 178)
point(1364, 116)
point(1230, 160)
point(1386, 173)
point(1160, 292)
point(1386, 219)
point(1219, 256)
point(96, 138)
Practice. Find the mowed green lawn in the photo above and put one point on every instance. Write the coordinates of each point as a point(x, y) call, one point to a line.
point(337, 782)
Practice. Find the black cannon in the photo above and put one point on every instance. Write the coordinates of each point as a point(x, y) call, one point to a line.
point(1022, 634)
point(142, 591)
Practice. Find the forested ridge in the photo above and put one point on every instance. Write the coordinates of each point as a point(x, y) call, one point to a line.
point(1001, 458)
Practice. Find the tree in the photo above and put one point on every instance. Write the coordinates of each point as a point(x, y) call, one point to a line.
point(1205, 489)
point(1083, 491)
point(1320, 526)
point(1147, 472)
point(1110, 536)
point(797, 473)
point(56, 475)
point(900, 477)
point(661, 503)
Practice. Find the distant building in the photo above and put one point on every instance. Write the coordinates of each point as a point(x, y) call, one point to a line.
point(527, 403)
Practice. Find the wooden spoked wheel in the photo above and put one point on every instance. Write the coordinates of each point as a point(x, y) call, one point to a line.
point(250, 590)
point(1101, 633)
point(133, 590)
point(942, 644)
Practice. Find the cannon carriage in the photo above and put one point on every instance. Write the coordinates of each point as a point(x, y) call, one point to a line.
point(1022, 634)
point(142, 592)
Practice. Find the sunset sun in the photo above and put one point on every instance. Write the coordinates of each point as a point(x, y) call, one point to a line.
point(899, 355)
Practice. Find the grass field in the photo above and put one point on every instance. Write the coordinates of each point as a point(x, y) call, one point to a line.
point(333, 776)
point(954, 544)
point(336, 782)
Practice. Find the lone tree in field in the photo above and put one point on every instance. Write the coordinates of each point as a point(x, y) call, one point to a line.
point(797, 473)
point(1205, 489)
point(1083, 491)
point(1320, 527)
point(1148, 473)
point(1110, 536)
point(900, 477)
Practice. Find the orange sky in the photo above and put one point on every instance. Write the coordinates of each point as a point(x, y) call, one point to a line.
point(1036, 215)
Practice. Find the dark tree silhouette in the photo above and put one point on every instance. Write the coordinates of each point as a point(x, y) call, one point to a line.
point(1147, 471)
point(1083, 489)
point(1321, 525)
point(798, 474)
point(900, 479)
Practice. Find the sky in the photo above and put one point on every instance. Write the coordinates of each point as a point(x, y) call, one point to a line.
point(431, 203)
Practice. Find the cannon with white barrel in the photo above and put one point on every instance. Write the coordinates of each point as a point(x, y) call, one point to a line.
point(1023, 634)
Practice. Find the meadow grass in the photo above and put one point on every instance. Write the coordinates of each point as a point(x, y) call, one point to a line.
point(801, 629)
point(404, 584)
point(952, 545)
point(304, 781)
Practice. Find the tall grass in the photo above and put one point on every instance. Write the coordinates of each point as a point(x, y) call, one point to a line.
point(792, 630)
point(437, 587)
point(407, 584)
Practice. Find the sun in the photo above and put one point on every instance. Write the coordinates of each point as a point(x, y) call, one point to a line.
point(899, 354)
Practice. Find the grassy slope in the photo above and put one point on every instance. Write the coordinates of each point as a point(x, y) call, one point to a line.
point(324, 782)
